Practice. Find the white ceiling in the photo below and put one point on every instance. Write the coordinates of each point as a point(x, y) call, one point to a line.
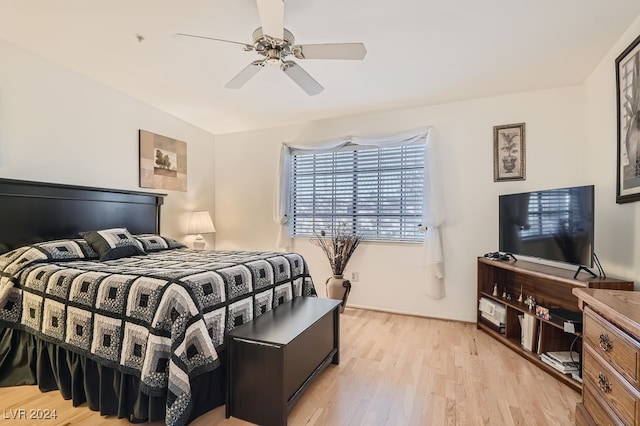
point(419, 51)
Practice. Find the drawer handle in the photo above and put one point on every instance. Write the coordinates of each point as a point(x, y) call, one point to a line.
point(605, 385)
point(605, 342)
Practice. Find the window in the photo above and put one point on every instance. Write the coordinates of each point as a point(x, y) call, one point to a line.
point(376, 191)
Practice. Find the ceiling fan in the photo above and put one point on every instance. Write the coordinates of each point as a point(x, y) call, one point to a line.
point(274, 43)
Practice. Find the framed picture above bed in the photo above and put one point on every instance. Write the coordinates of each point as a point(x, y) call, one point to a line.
point(163, 162)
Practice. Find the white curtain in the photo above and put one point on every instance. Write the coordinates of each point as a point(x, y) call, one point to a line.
point(434, 215)
point(433, 259)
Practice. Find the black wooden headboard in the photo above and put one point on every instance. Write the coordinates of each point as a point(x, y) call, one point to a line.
point(35, 211)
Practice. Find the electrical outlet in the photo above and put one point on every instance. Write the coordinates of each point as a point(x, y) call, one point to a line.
point(355, 276)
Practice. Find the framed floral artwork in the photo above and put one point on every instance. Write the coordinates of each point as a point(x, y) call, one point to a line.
point(509, 152)
point(628, 123)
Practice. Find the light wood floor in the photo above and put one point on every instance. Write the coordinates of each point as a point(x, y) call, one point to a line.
point(394, 370)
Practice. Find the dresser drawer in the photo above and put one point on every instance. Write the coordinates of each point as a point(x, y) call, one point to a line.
point(615, 347)
point(607, 385)
point(599, 414)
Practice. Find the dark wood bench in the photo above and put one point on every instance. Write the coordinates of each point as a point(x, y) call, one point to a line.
point(272, 359)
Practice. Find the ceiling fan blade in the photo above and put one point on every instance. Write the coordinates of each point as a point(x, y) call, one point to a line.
point(272, 17)
point(246, 46)
point(330, 51)
point(301, 78)
point(245, 75)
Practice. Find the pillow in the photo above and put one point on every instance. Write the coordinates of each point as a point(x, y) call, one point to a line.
point(113, 243)
point(60, 250)
point(152, 242)
point(48, 251)
point(55, 251)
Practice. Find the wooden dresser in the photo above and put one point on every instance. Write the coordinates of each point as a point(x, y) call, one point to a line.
point(611, 357)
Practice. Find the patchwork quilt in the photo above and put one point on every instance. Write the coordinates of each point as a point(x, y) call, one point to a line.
point(162, 316)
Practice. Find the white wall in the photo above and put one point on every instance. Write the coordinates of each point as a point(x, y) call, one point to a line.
point(617, 240)
point(571, 140)
point(57, 126)
point(390, 274)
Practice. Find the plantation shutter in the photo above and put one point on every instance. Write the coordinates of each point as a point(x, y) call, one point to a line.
point(378, 192)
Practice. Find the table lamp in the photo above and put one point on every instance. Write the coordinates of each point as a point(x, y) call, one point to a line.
point(200, 223)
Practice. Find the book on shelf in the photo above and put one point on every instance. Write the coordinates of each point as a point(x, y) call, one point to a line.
point(563, 367)
point(564, 357)
point(575, 375)
point(563, 370)
point(540, 342)
point(558, 367)
point(529, 330)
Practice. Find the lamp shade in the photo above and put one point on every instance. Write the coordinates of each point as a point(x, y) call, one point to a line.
point(200, 223)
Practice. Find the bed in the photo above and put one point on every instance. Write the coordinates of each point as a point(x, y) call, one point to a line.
point(139, 334)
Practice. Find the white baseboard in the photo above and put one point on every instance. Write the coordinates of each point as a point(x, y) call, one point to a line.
point(399, 312)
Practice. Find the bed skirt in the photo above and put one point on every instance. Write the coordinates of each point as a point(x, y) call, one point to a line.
point(27, 360)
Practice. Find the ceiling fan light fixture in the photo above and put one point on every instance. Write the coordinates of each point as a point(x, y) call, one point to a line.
point(260, 37)
point(273, 56)
point(276, 43)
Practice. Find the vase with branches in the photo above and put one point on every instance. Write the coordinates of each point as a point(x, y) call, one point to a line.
point(338, 245)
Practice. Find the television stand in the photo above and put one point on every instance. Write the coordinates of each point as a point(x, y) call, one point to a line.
point(584, 268)
point(549, 287)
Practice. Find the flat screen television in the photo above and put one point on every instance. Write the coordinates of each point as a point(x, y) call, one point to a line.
point(553, 224)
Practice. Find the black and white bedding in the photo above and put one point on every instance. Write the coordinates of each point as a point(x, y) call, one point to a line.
point(161, 316)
